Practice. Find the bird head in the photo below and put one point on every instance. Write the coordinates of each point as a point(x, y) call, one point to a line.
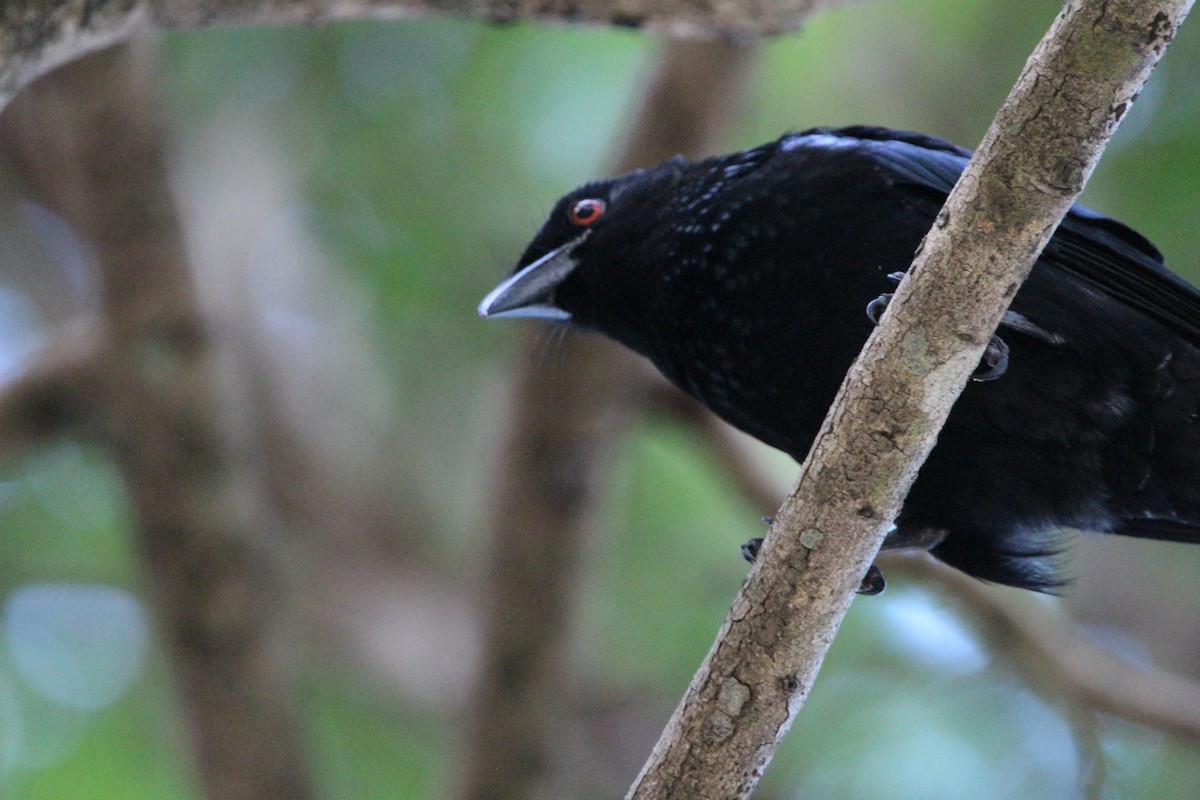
point(594, 256)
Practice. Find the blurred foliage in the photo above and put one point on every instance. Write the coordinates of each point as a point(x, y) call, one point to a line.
point(428, 152)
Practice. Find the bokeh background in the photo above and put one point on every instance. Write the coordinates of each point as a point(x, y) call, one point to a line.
point(358, 189)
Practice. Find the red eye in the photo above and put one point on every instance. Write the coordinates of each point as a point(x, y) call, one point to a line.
point(585, 212)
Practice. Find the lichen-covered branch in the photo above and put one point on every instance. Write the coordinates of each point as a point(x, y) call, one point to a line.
point(1030, 167)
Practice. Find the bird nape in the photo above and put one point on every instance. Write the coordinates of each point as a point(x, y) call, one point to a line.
point(752, 280)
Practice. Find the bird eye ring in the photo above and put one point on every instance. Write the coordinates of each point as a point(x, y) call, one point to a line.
point(585, 212)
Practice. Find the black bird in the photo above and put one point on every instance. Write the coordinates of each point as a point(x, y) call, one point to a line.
point(744, 279)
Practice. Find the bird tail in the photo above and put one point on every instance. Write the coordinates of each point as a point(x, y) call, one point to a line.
point(1028, 561)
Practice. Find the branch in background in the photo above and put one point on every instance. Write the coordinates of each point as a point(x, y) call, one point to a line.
point(1056, 654)
point(549, 469)
point(38, 35)
point(1031, 166)
point(89, 141)
point(552, 462)
point(1047, 647)
point(732, 456)
point(55, 393)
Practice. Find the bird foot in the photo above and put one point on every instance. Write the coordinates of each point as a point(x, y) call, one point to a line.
point(871, 585)
point(994, 362)
point(750, 549)
point(876, 307)
point(995, 357)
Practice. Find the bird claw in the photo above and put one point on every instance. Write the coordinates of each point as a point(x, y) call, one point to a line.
point(876, 307)
point(995, 358)
point(994, 362)
point(871, 585)
point(750, 549)
point(873, 582)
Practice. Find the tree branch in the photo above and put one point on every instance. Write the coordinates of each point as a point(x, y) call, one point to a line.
point(1031, 166)
point(1056, 654)
point(209, 539)
point(38, 35)
point(55, 394)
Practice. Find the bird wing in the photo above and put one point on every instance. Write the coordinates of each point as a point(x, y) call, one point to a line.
point(1106, 255)
point(1097, 250)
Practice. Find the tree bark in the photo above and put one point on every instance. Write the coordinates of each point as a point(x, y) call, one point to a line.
point(1029, 169)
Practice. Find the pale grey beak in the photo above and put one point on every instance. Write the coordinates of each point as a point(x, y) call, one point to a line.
point(527, 294)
